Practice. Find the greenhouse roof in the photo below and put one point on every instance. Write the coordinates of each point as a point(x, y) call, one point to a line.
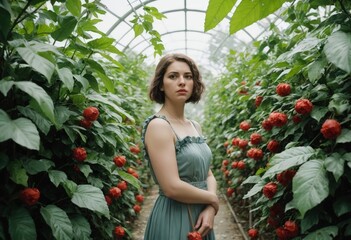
point(181, 31)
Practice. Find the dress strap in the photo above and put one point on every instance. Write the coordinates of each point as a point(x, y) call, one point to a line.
point(195, 127)
point(164, 118)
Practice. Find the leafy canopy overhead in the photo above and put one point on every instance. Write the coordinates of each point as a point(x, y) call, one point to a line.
point(246, 13)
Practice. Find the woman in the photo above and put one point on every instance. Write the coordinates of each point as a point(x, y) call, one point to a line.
point(178, 155)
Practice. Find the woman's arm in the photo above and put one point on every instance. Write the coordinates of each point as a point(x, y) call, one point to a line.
point(159, 140)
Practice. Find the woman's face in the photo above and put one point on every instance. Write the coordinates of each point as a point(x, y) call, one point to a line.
point(178, 82)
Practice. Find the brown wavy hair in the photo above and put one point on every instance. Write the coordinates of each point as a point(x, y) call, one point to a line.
point(155, 92)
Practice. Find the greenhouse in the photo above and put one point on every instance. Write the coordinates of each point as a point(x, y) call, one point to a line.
point(96, 144)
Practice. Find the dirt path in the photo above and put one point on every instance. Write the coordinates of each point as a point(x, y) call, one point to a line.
point(225, 226)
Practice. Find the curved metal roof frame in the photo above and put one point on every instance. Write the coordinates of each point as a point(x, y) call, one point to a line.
point(133, 43)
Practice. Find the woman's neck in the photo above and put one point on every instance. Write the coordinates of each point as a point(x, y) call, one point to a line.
point(174, 113)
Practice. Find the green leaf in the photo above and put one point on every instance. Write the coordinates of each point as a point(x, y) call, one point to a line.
point(305, 45)
point(4, 160)
point(342, 205)
point(85, 169)
point(67, 26)
point(252, 179)
point(17, 173)
point(5, 19)
point(216, 11)
point(101, 99)
point(41, 97)
point(35, 166)
point(82, 80)
point(74, 6)
point(129, 178)
point(318, 112)
point(37, 62)
point(90, 197)
point(81, 228)
point(22, 131)
point(40, 121)
point(316, 69)
point(57, 177)
point(311, 218)
point(21, 225)
point(250, 11)
point(255, 189)
point(345, 136)
point(339, 103)
point(335, 164)
point(70, 187)
point(58, 221)
point(138, 29)
point(326, 233)
point(66, 76)
point(338, 50)
point(310, 186)
point(107, 81)
point(5, 86)
point(289, 158)
point(101, 43)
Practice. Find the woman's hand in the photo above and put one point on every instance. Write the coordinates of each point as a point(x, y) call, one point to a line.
point(205, 222)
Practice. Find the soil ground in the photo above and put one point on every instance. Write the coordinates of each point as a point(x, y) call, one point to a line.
point(226, 228)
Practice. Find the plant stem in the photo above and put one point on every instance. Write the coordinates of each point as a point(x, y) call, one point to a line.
point(18, 19)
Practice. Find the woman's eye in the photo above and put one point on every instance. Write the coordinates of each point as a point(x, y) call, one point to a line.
point(172, 76)
point(189, 77)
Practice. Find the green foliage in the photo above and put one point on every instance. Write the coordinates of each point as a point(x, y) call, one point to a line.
point(312, 56)
point(51, 70)
point(246, 13)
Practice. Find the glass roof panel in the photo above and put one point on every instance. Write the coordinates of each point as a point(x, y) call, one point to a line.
point(182, 30)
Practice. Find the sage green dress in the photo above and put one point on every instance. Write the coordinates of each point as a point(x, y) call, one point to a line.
point(169, 219)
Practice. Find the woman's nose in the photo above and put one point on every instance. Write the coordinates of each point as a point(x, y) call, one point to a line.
point(181, 80)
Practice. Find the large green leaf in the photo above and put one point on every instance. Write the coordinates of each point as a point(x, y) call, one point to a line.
point(319, 112)
point(338, 50)
point(37, 62)
point(289, 158)
point(250, 11)
point(40, 121)
point(57, 177)
point(101, 43)
point(326, 233)
point(66, 76)
point(107, 81)
point(5, 19)
point(342, 205)
point(90, 197)
point(21, 225)
point(21, 130)
point(67, 25)
point(81, 228)
point(41, 97)
point(335, 164)
point(129, 178)
point(4, 160)
point(216, 11)
point(310, 186)
point(255, 189)
point(58, 221)
point(103, 100)
point(17, 173)
point(33, 166)
point(74, 6)
point(345, 136)
point(5, 85)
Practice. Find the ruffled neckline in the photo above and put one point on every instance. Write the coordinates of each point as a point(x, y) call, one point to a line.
point(179, 142)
